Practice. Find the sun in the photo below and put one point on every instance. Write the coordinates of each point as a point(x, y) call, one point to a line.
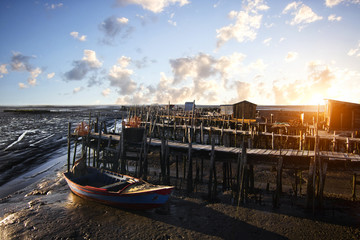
point(316, 99)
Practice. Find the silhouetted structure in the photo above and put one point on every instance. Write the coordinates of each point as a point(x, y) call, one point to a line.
point(342, 115)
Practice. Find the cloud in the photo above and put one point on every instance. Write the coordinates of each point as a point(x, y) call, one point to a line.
point(291, 56)
point(81, 67)
point(21, 63)
point(170, 21)
point(202, 77)
point(50, 75)
point(53, 6)
point(332, 3)
point(247, 22)
point(76, 35)
point(200, 66)
point(267, 41)
point(353, 51)
point(143, 63)
point(145, 19)
point(303, 14)
point(3, 70)
point(120, 76)
point(155, 6)
point(113, 26)
point(78, 89)
point(106, 92)
point(333, 18)
point(33, 75)
point(22, 85)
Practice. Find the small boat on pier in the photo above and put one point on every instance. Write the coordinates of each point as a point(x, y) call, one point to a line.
point(117, 190)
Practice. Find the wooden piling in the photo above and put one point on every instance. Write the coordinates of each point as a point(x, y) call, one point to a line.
point(68, 145)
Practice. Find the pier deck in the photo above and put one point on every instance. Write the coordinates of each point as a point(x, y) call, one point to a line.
point(260, 152)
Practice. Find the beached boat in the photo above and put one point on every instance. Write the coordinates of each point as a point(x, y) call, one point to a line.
point(117, 190)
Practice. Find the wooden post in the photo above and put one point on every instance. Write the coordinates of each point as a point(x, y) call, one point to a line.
point(98, 145)
point(310, 183)
point(75, 147)
point(69, 147)
point(354, 187)
point(202, 132)
point(211, 194)
point(278, 182)
point(190, 169)
point(272, 141)
point(122, 149)
point(323, 169)
point(177, 166)
point(243, 173)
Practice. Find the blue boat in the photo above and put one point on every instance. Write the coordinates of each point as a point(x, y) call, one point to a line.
point(117, 190)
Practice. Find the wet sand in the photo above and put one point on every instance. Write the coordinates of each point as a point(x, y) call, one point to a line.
point(48, 210)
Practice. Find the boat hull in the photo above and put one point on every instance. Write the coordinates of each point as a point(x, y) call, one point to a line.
point(142, 200)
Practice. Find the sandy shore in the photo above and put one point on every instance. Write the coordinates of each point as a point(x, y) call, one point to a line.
point(48, 210)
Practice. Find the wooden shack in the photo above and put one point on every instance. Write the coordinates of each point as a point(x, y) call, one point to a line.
point(342, 115)
point(244, 109)
point(189, 106)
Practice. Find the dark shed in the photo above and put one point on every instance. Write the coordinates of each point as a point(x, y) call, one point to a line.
point(189, 106)
point(342, 115)
point(244, 109)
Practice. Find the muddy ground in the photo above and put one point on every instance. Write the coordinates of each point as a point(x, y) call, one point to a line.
point(48, 210)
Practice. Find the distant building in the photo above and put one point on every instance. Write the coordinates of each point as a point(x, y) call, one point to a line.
point(226, 109)
point(304, 114)
point(189, 106)
point(244, 109)
point(342, 115)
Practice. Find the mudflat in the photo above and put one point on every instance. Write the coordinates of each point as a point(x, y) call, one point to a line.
point(48, 210)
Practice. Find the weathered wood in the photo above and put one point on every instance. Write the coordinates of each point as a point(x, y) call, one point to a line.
point(69, 147)
point(190, 165)
point(278, 182)
point(211, 194)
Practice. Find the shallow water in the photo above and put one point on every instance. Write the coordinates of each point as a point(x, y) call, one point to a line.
point(31, 144)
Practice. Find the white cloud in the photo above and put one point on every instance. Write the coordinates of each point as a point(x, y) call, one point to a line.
point(90, 58)
point(33, 75)
point(246, 24)
point(113, 27)
point(353, 51)
point(3, 70)
point(171, 22)
point(76, 35)
point(123, 20)
point(53, 6)
point(50, 75)
point(267, 41)
point(78, 89)
point(81, 67)
point(120, 76)
point(22, 85)
point(106, 92)
point(155, 6)
point(331, 3)
point(303, 14)
point(291, 56)
point(333, 18)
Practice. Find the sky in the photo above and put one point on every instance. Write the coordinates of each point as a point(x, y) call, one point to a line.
point(126, 52)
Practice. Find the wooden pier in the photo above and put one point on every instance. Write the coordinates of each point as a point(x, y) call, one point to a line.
point(238, 144)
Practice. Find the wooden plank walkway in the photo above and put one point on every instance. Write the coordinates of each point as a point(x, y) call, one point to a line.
point(261, 152)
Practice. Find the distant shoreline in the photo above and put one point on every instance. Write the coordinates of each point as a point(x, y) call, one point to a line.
point(35, 111)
